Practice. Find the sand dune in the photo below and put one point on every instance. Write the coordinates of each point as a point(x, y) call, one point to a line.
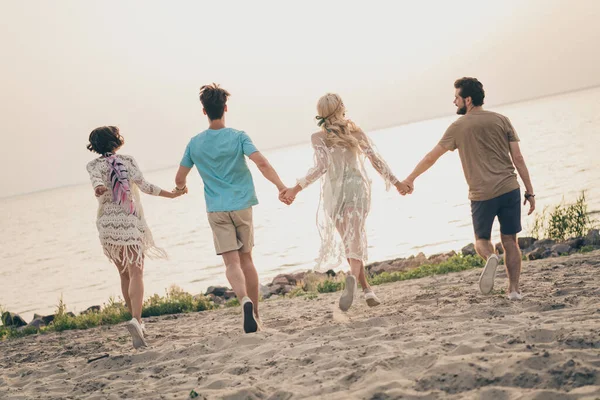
point(432, 338)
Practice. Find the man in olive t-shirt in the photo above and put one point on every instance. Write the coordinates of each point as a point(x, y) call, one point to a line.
point(489, 151)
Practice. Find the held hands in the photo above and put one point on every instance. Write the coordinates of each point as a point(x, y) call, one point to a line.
point(179, 191)
point(405, 187)
point(288, 195)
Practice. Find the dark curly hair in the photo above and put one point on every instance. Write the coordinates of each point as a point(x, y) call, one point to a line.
point(213, 99)
point(471, 87)
point(105, 139)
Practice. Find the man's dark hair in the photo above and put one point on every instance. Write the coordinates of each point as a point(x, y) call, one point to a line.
point(471, 87)
point(213, 99)
point(105, 139)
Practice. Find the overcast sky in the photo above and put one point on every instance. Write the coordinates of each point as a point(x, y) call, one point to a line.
point(70, 66)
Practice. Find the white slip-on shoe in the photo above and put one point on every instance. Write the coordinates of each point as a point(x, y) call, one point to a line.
point(250, 325)
point(135, 330)
point(372, 299)
point(515, 296)
point(348, 295)
point(486, 280)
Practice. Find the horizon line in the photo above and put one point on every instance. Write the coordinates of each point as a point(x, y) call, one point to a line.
point(378, 128)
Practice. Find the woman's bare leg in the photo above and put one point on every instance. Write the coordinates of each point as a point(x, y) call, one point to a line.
point(124, 285)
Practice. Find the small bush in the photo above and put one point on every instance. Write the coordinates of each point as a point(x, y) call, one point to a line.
point(329, 286)
point(564, 221)
point(586, 249)
point(232, 302)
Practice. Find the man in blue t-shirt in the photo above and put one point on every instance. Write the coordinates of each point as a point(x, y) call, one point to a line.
point(218, 154)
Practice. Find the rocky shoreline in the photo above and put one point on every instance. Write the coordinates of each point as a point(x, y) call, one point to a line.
point(283, 284)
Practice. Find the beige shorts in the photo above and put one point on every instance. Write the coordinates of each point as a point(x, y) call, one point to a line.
point(232, 230)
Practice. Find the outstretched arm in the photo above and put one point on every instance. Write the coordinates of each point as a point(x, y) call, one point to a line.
point(426, 163)
point(380, 165)
point(321, 165)
point(519, 162)
point(267, 169)
point(136, 176)
point(181, 178)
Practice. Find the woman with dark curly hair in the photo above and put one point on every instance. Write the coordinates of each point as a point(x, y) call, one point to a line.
point(124, 234)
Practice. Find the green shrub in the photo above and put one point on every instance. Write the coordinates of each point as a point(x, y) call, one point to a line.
point(564, 221)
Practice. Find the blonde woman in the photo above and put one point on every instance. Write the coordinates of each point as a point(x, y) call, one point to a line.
point(340, 148)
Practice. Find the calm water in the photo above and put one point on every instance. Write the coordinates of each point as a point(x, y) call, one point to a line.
point(50, 245)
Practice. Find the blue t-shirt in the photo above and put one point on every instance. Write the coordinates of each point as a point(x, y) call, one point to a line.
point(219, 157)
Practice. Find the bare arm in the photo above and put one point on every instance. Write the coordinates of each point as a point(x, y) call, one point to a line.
point(137, 177)
point(266, 169)
point(181, 177)
point(519, 162)
point(426, 163)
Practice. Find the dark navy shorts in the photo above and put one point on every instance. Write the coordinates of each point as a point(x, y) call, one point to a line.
point(506, 207)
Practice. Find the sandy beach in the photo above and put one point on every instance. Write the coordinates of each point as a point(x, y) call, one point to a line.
point(432, 338)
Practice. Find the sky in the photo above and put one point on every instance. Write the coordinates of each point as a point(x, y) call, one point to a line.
point(70, 66)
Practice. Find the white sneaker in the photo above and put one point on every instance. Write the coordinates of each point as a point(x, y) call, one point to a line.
point(515, 296)
point(486, 280)
point(371, 298)
point(135, 330)
point(143, 328)
point(250, 325)
point(348, 295)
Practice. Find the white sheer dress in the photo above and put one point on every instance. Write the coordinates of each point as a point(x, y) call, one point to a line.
point(345, 198)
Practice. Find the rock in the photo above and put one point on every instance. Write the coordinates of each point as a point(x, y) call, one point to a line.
point(440, 258)
point(48, 319)
point(265, 291)
point(230, 294)
point(37, 323)
point(217, 290)
point(547, 243)
point(539, 253)
point(560, 248)
point(499, 248)
point(526, 242)
point(330, 273)
point(468, 250)
point(592, 238)
point(283, 279)
point(70, 314)
point(285, 289)
point(12, 319)
point(91, 309)
point(401, 264)
point(575, 243)
point(383, 267)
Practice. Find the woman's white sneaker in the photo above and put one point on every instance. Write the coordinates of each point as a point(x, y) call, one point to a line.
point(348, 295)
point(372, 299)
point(135, 330)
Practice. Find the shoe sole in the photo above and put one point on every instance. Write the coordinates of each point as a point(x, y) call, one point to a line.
point(348, 296)
point(136, 335)
point(373, 302)
point(250, 325)
point(486, 280)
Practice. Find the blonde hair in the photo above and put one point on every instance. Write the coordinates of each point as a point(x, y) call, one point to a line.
point(332, 120)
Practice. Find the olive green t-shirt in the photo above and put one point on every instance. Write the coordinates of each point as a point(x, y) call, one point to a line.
point(482, 139)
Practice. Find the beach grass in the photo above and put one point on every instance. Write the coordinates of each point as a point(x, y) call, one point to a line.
point(177, 301)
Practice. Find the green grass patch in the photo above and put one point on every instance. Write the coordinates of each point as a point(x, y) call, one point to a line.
point(114, 312)
point(456, 263)
point(329, 286)
point(232, 302)
point(586, 249)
